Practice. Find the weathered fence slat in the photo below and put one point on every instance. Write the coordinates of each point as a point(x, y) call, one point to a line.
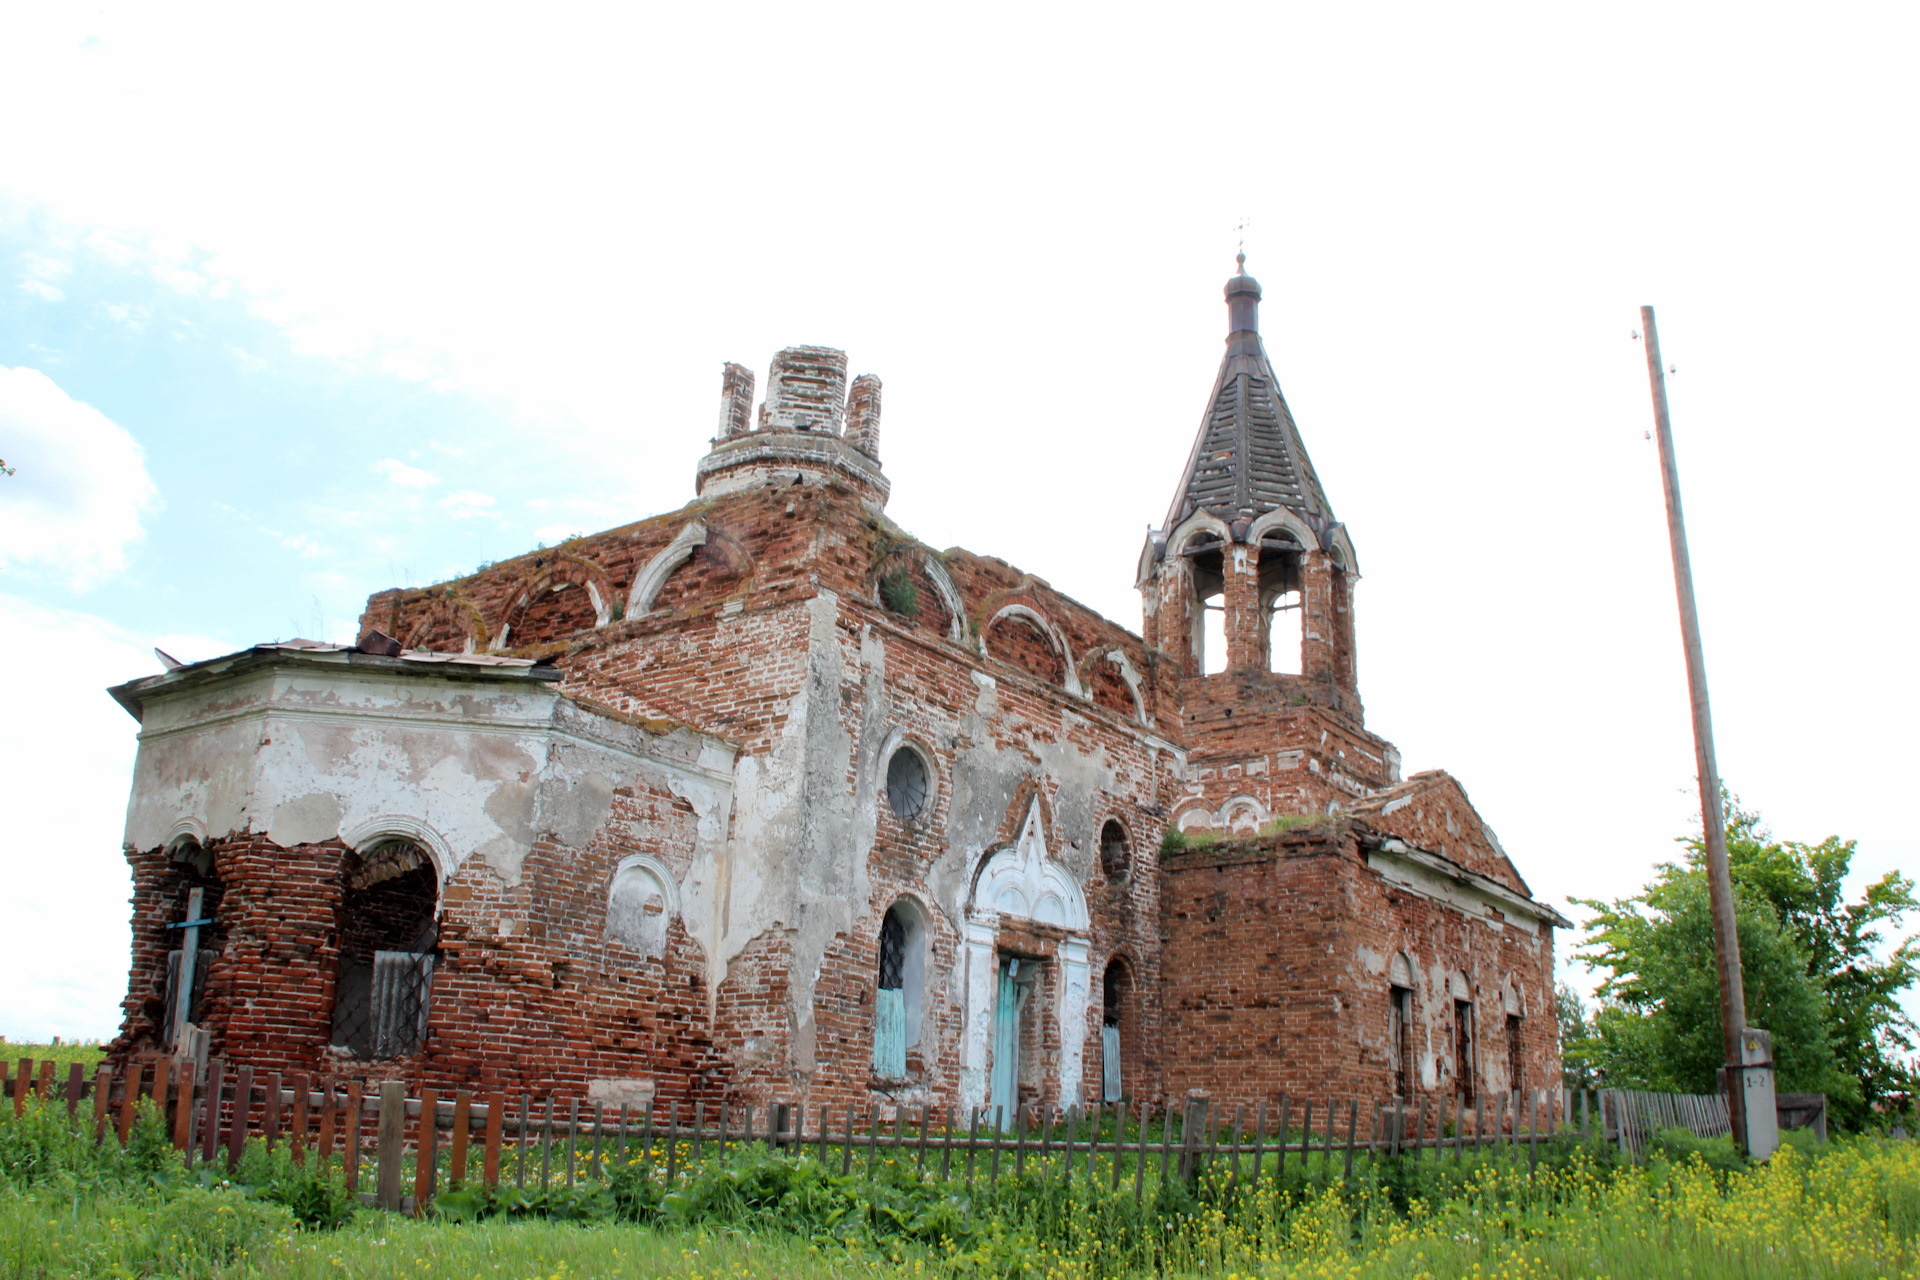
point(457, 1158)
point(496, 1122)
point(130, 1100)
point(350, 1140)
point(973, 1142)
point(323, 1145)
point(270, 1120)
point(1286, 1133)
point(546, 1146)
point(236, 1129)
point(20, 1087)
point(424, 1144)
point(102, 1088)
point(77, 1085)
point(573, 1129)
point(390, 1138)
point(1140, 1158)
point(993, 1165)
point(673, 1146)
point(297, 1129)
point(210, 1124)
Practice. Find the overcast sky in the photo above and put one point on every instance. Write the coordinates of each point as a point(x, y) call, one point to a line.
point(298, 305)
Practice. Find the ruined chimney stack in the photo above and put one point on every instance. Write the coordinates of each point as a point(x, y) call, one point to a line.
point(863, 415)
point(736, 400)
point(806, 390)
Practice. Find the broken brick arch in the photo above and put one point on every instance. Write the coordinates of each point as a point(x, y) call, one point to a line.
point(1109, 679)
point(1018, 633)
point(449, 624)
point(563, 596)
point(654, 573)
point(936, 597)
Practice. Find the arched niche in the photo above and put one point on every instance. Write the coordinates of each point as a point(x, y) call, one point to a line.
point(642, 901)
point(1041, 652)
point(654, 574)
point(565, 596)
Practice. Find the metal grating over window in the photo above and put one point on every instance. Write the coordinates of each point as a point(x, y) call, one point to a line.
point(907, 784)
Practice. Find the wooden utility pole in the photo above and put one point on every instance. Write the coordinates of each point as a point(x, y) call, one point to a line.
point(1726, 938)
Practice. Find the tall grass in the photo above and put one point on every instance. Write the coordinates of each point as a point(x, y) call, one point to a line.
point(1847, 1209)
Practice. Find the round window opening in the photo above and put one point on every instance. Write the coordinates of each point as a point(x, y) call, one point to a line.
point(907, 784)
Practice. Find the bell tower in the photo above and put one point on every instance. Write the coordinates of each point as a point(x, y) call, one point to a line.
point(1249, 582)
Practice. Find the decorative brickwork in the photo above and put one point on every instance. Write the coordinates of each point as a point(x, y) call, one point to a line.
point(647, 773)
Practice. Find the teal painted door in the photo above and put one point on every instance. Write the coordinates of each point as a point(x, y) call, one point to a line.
point(890, 1033)
point(1110, 1063)
point(1006, 1042)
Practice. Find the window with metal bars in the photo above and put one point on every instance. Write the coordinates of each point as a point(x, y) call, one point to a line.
point(890, 1001)
point(387, 937)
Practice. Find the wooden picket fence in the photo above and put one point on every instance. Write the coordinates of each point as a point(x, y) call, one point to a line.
point(521, 1140)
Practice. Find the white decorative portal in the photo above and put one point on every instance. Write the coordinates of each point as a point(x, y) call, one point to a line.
point(1023, 882)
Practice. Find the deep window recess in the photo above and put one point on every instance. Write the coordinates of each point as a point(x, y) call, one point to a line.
point(1115, 857)
point(907, 784)
point(1514, 1082)
point(193, 932)
point(1400, 1039)
point(1463, 1049)
point(895, 1006)
point(387, 937)
point(1113, 994)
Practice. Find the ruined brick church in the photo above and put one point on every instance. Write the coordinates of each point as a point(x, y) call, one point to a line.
point(765, 799)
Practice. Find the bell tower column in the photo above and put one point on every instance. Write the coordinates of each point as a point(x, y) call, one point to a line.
point(1246, 634)
point(1319, 646)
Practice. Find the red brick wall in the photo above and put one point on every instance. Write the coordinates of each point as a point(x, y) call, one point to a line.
point(1275, 974)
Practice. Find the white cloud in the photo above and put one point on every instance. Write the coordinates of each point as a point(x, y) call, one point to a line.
point(81, 487)
point(465, 504)
point(42, 290)
point(405, 476)
point(66, 751)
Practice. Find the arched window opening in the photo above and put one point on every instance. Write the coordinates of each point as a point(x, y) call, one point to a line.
point(1206, 563)
point(387, 935)
point(1400, 1038)
point(1463, 1050)
point(193, 941)
point(909, 784)
point(1514, 1082)
point(1021, 642)
point(1109, 689)
point(1280, 602)
point(897, 1000)
point(1116, 855)
point(561, 609)
point(1113, 998)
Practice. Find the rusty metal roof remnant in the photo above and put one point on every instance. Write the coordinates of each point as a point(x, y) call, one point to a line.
point(1248, 458)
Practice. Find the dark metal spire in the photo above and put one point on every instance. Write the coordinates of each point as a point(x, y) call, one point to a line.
point(1248, 458)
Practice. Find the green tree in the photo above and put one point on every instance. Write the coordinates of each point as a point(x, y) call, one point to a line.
point(1805, 886)
point(1577, 1070)
point(1808, 962)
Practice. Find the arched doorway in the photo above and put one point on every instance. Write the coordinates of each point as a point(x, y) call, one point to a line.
point(1023, 884)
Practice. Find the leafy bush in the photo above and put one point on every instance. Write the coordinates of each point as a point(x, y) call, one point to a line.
point(317, 1198)
point(45, 1143)
point(899, 593)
